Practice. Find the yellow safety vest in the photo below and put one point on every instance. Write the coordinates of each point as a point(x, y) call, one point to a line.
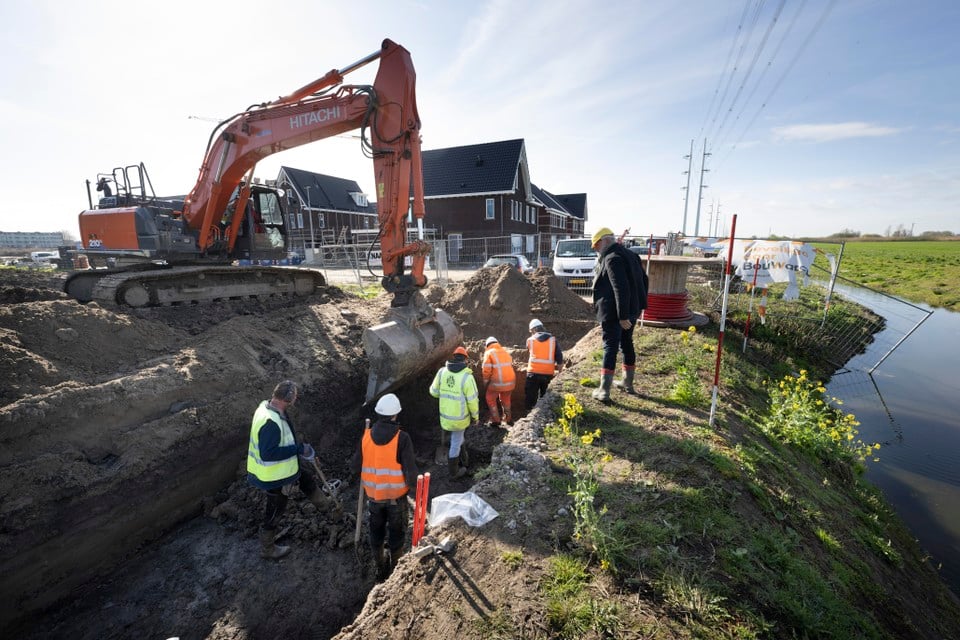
point(542, 355)
point(381, 474)
point(498, 369)
point(270, 470)
point(458, 398)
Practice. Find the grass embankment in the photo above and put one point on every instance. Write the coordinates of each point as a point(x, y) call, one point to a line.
point(919, 271)
point(761, 527)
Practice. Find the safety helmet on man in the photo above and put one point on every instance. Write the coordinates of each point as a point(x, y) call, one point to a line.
point(460, 351)
point(388, 405)
point(535, 324)
point(491, 340)
point(605, 231)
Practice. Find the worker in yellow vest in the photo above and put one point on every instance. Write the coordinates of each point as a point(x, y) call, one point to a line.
point(272, 463)
point(545, 361)
point(456, 388)
point(500, 380)
point(388, 468)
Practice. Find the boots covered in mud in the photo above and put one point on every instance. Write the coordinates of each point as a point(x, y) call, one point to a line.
point(382, 558)
point(269, 548)
point(456, 471)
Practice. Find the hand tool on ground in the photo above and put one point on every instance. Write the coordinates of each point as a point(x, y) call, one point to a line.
point(446, 546)
point(330, 488)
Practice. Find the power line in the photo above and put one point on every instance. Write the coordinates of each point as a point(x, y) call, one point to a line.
point(736, 66)
point(763, 74)
point(726, 65)
point(793, 62)
point(753, 64)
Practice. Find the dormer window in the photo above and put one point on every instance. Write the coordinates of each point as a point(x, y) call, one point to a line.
point(359, 199)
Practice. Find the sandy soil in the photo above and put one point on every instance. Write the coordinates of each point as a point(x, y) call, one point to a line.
point(125, 511)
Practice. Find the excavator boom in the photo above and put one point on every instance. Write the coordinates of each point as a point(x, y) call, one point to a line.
point(214, 216)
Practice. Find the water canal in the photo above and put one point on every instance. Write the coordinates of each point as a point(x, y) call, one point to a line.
point(911, 405)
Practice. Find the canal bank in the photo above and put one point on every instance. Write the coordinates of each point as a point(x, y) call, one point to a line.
point(910, 404)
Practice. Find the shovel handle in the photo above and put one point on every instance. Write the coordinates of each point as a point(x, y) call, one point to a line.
point(360, 496)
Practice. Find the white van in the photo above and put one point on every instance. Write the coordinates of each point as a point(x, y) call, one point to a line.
point(44, 257)
point(573, 262)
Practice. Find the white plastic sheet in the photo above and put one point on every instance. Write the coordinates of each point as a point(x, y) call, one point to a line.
point(469, 506)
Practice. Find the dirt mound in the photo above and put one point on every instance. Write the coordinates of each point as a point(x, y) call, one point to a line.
point(502, 301)
point(118, 425)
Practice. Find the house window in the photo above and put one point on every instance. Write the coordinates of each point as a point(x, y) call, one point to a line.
point(299, 221)
point(490, 209)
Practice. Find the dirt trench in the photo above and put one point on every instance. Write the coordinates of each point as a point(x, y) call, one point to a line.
point(125, 509)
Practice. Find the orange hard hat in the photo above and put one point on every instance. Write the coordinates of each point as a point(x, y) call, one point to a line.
point(460, 351)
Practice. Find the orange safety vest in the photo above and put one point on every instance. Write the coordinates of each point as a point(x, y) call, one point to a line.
point(381, 475)
point(542, 354)
point(498, 369)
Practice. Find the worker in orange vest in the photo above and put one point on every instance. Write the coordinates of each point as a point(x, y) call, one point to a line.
point(500, 379)
point(546, 360)
point(387, 466)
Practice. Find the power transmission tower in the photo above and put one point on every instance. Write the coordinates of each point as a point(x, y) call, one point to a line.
point(703, 170)
point(686, 189)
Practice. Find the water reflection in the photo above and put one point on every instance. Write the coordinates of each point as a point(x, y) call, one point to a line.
point(910, 404)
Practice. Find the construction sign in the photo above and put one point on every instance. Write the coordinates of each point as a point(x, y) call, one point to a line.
point(773, 261)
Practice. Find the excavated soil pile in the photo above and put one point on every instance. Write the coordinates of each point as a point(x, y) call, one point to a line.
point(117, 427)
point(502, 301)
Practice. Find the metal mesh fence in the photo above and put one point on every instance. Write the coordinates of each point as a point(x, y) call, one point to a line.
point(813, 320)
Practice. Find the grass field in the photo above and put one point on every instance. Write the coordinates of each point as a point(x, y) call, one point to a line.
point(918, 271)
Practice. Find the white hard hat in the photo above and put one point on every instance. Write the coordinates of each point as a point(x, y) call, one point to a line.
point(388, 405)
point(534, 324)
point(490, 341)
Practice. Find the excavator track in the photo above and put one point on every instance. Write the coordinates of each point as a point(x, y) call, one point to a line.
point(181, 285)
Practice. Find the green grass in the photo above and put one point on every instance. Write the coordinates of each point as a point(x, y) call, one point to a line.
point(919, 271)
point(761, 527)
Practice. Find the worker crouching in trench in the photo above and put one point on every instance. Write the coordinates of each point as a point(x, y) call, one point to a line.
point(387, 466)
point(273, 463)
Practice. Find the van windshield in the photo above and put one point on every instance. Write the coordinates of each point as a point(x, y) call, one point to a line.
point(575, 249)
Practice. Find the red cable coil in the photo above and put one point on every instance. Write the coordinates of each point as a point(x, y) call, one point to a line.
point(667, 307)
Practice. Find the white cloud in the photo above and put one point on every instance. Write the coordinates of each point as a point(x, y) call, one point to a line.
point(831, 132)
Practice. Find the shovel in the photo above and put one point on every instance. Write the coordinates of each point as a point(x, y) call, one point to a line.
point(440, 457)
point(360, 500)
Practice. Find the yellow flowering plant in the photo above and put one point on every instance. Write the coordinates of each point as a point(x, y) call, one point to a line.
point(801, 414)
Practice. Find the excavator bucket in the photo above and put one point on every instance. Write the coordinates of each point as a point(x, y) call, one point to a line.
point(413, 341)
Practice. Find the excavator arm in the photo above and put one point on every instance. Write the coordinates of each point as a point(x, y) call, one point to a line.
point(386, 113)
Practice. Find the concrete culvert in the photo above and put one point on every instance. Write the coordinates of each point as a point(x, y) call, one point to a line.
point(125, 518)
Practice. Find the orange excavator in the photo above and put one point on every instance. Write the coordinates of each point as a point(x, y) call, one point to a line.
point(174, 250)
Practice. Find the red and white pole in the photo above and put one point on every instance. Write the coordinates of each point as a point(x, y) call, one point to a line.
point(723, 320)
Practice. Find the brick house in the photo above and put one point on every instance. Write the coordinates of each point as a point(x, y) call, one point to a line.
point(325, 208)
point(484, 190)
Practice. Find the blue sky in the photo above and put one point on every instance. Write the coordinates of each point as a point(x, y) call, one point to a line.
point(847, 118)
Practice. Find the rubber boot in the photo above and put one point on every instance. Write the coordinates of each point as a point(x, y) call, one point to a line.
point(464, 457)
point(626, 383)
point(603, 392)
point(456, 471)
point(381, 557)
point(507, 417)
point(268, 548)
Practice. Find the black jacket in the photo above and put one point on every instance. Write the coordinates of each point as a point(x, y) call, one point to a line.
point(620, 285)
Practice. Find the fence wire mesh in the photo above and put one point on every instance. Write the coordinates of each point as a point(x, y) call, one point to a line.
point(814, 319)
